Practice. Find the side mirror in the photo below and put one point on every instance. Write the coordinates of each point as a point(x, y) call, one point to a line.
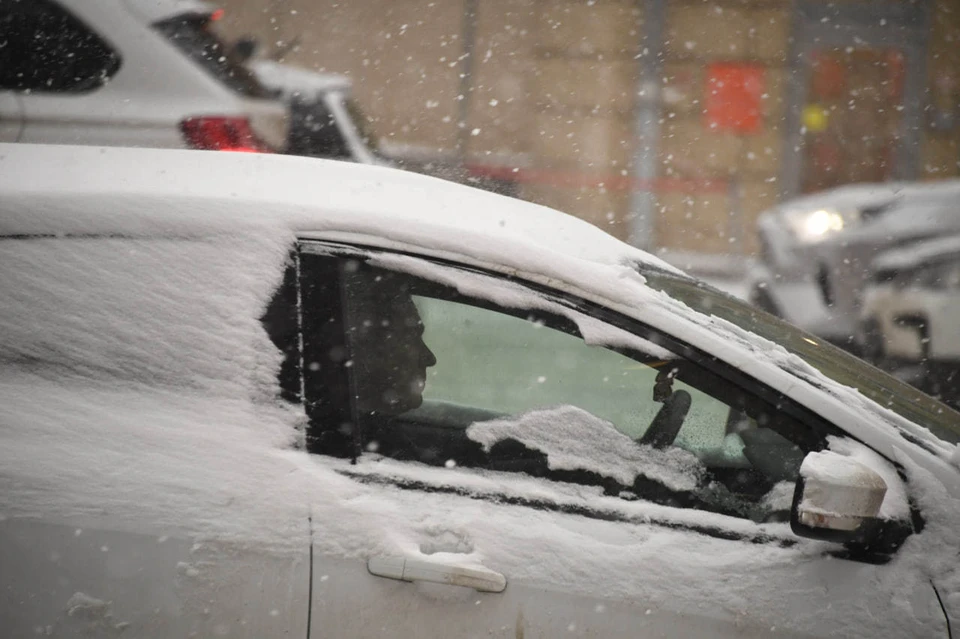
point(836, 499)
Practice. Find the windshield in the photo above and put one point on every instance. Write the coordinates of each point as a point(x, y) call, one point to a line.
point(833, 362)
point(193, 34)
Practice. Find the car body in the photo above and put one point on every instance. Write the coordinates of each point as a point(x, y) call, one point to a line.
point(263, 395)
point(325, 121)
point(129, 73)
point(816, 249)
point(908, 317)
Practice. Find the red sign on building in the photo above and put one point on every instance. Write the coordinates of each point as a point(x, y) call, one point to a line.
point(733, 95)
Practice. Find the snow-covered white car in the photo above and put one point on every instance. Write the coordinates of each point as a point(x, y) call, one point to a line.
point(909, 318)
point(254, 395)
point(325, 121)
point(815, 250)
point(128, 73)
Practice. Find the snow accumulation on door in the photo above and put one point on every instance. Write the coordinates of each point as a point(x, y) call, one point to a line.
point(143, 359)
point(137, 380)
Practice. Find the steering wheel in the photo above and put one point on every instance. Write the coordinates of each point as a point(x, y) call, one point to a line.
point(668, 420)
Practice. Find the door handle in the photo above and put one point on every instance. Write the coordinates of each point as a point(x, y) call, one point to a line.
point(405, 569)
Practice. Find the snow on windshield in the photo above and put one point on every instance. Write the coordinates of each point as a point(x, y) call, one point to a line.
point(573, 439)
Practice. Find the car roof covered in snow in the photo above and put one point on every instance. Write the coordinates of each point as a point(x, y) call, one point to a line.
point(50, 189)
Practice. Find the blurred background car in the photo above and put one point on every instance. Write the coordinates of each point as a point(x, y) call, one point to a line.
point(815, 251)
point(908, 320)
point(325, 121)
point(129, 73)
point(782, 281)
point(842, 261)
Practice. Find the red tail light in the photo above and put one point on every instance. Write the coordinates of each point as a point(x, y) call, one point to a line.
point(222, 134)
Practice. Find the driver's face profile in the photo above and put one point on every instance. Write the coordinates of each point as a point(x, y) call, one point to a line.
point(391, 358)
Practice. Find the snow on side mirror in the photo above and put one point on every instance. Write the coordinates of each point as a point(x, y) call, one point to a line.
point(836, 499)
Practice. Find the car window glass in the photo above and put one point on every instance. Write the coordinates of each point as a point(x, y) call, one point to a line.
point(478, 365)
point(313, 130)
point(193, 34)
point(46, 49)
point(449, 381)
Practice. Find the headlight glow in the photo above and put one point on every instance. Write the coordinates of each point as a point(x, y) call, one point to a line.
point(821, 222)
point(816, 225)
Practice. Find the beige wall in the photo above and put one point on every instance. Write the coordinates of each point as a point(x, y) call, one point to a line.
point(552, 94)
point(401, 55)
point(697, 33)
point(941, 149)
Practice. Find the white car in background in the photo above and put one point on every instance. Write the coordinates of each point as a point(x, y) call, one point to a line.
point(909, 318)
point(783, 280)
point(128, 73)
point(815, 251)
point(253, 395)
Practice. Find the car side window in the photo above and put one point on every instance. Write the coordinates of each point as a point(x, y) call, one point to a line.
point(313, 130)
point(49, 50)
point(440, 378)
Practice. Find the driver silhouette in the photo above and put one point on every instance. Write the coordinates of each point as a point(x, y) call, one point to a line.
point(390, 357)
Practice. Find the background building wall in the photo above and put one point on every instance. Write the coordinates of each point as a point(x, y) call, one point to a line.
point(743, 166)
point(940, 155)
point(543, 94)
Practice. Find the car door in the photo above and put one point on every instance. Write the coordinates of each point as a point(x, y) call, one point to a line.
point(130, 507)
point(521, 463)
point(93, 578)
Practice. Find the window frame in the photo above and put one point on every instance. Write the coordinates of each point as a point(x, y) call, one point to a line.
point(749, 385)
point(337, 251)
